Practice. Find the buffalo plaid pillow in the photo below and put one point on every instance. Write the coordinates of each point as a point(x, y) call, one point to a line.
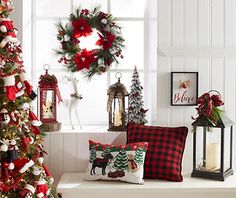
point(165, 150)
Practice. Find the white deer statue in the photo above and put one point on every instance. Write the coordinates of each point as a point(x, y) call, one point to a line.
point(73, 102)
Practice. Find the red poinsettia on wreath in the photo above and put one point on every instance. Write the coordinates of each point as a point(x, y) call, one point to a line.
point(106, 42)
point(81, 28)
point(84, 59)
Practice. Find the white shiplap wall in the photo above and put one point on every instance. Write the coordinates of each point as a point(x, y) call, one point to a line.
point(196, 35)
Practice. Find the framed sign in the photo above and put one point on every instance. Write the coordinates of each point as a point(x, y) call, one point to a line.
point(184, 88)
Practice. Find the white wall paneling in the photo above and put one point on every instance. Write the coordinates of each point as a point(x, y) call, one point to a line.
point(69, 152)
point(196, 35)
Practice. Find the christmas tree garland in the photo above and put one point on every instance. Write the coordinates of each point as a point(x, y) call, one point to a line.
point(82, 24)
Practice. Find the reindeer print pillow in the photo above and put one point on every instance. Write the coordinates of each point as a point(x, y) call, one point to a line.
point(116, 162)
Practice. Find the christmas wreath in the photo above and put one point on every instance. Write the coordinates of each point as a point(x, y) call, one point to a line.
point(84, 23)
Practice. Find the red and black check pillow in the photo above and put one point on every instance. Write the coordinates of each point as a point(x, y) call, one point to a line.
point(165, 150)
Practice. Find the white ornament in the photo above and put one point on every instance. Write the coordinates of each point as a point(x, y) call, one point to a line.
point(31, 140)
point(112, 50)
point(40, 160)
point(25, 106)
point(66, 37)
point(104, 21)
point(5, 118)
point(4, 148)
point(100, 61)
point(113, 30)
point(3, 28)
point(36, 170)
point(11, 166)
point(67, 56)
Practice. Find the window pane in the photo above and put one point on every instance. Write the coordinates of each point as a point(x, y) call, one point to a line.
point(133, 33)
point(127, 8)
point(53, 8)
point(91, 4)
point(92, 108)
point(46, 41)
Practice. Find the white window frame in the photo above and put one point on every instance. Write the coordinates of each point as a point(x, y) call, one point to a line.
point(29, 51)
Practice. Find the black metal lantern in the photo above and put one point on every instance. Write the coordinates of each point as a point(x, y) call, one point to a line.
point(116, 105)
point(213, 149)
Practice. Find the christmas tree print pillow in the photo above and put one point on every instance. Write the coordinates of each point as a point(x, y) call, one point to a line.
point(116, 162)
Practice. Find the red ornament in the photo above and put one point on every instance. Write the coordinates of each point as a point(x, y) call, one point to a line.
point(81, 28)
point(84, 59)
point(25, 142)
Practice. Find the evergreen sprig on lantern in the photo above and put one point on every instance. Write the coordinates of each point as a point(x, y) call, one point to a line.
point(208, 112)
point(82, 23)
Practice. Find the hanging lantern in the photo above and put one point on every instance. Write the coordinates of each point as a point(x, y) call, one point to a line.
point(117, 95)
point(212, 140)
point(49, 92)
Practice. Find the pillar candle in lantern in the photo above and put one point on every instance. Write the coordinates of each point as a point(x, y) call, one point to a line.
point(117, 118)
point(212, 156)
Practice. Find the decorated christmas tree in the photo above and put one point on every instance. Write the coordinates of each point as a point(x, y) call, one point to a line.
point(22, 172)
point(121, 161)
point(135, 107)
point(93, 154)
point(138, 158)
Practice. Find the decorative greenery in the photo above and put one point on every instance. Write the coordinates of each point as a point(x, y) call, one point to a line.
point(208, 112)
point(82, 23)
point(48, 79)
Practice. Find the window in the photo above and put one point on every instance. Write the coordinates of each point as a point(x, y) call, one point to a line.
point(136, 21)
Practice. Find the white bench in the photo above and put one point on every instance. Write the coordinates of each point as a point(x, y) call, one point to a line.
point(72, 185)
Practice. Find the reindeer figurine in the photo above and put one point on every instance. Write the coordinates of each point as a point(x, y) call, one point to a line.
point(75, 97)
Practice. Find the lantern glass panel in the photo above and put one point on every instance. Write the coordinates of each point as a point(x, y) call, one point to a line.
point(208, 149)
point(227, 149)
point(48, 104)
point(117, 113)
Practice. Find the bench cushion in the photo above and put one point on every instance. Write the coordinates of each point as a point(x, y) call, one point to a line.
point(165, 149)
point(116, 162)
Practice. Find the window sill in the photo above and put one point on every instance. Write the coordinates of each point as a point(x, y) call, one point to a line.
point(85, 129)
